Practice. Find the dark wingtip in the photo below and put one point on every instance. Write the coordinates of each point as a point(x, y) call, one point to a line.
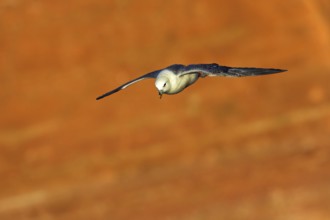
point(102, 96)
point(108, 93)
point(270, 71)
point(263, 71)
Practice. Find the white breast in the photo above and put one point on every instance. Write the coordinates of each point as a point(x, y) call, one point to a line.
point(182, 82)
point(177, 83)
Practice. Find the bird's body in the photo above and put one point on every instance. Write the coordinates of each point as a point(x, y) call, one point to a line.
point(175, 78)
point(175, 82)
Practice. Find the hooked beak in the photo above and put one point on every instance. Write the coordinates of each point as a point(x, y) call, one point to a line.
point(160, 93)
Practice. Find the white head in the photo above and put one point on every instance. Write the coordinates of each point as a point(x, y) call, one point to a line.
point(162, 84)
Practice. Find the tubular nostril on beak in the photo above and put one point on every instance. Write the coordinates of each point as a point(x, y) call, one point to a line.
point(160, 94)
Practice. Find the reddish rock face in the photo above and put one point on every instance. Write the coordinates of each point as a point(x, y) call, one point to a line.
point(225, 148)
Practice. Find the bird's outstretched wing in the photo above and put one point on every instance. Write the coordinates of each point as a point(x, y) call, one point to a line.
point(146, 76)
point(217, 70)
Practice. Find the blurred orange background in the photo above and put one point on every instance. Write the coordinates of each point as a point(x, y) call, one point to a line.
point(225, 148)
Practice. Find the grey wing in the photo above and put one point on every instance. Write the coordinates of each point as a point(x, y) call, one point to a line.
point(216, 70)
point(146, 76)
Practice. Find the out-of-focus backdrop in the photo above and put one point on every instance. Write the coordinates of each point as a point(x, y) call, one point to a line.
point(225, 148)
